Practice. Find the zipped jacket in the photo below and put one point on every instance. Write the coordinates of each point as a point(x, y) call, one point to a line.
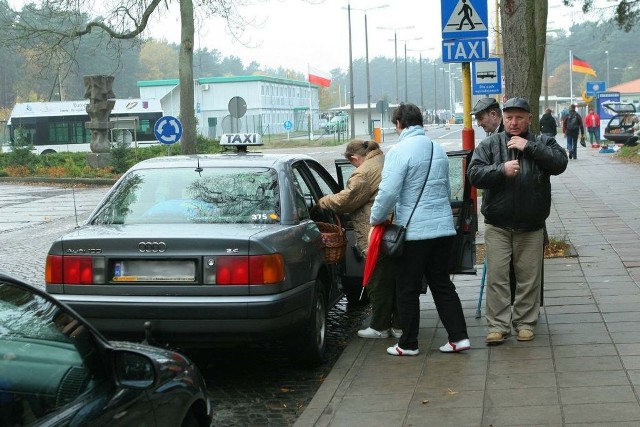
point(403, 176)
point(521, 203)
point(358, 196)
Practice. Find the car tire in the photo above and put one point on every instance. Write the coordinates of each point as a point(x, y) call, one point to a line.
point(311, 344)
point(631, 142)
point(190, 420)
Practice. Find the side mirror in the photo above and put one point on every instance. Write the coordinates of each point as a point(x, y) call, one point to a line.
point(133, 370)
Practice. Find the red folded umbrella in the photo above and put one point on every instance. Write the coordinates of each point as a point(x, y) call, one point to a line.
point(372, 253)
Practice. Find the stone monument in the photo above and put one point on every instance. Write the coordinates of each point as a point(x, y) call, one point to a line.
point(101, 102)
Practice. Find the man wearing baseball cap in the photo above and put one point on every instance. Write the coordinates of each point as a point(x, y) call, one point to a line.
point(513, 169)
point(488, 115)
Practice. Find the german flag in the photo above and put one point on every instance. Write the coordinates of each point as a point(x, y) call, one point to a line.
point(580, 66)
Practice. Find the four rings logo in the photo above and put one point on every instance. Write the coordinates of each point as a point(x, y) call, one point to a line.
point(152, 246)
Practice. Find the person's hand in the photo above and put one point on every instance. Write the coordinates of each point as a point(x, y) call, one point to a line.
point(511, 168)
point(516, 143)
point(323, 203)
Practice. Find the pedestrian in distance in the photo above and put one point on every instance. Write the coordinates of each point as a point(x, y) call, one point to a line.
point(357, 199)
point(488, 115)
point(513, 169)
point(413, 164)
point(548, 125)
point(572, 128)
point(592, 122)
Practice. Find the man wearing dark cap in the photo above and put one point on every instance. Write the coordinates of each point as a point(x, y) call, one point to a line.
point(488, 115)
point(513, 169)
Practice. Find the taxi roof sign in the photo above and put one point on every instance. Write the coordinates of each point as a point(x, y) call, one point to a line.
point(240, 139)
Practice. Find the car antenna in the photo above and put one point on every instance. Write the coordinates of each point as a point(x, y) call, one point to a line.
point(199, 168)
point(75, 205)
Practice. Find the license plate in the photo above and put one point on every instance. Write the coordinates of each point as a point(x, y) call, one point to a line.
point(154, 271)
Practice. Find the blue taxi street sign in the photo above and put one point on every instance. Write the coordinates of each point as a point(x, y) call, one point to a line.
point(594, 87)
point(168, 130)
point(465, 50)
point(288, 125)
point(462, 19)
point(486, 77)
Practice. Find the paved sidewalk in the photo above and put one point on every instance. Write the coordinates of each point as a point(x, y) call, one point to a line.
point(583, 368)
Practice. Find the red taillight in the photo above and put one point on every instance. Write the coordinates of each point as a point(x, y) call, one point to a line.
point(232, 270)
point(252, 270)
point(69, 270)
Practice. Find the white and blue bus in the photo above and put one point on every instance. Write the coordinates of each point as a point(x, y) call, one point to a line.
point(53, 127)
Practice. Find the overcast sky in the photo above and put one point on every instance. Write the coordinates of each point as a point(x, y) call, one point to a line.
point(294, 33)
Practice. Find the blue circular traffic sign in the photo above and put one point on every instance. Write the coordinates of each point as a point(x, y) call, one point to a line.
point(168, 130)
point(288, 125)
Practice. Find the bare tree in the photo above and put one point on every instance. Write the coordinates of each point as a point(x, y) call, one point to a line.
point(52, 29)
point(524, 28)
point(624, 13)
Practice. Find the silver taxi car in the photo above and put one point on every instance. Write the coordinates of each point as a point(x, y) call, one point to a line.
point(207, 249)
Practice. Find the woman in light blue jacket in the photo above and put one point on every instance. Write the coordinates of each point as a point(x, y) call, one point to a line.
point(430, 232)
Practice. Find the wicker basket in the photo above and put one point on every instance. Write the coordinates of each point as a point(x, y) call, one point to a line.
point(334, 241)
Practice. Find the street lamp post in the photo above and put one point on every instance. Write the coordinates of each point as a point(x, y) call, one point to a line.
point(606, 52)
point(395, 44)
point(352, 109)
point(435, 90)
point(406, 83)
point(444, 93)
point(622, 68)
point(366, 44)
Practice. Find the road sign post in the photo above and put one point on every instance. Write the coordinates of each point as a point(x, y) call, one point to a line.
point(287, 126)
point(168, 130)
point(464, 33)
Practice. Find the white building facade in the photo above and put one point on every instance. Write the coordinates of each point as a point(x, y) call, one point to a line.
point(259, 104)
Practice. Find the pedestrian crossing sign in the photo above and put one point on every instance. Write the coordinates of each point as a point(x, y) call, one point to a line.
point(463, 19)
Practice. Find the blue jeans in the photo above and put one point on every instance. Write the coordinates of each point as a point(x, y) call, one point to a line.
point(572, 145)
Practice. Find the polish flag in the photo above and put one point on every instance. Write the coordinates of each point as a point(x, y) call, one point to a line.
point(319, 77)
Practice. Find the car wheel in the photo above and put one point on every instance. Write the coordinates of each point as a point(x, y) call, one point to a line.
point(190, 420)
point(312, 342)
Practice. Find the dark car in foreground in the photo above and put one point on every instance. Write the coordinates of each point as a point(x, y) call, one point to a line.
point(206, 250)
point(57, 370)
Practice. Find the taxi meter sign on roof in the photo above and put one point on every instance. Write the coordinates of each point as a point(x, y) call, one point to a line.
point(240, 139)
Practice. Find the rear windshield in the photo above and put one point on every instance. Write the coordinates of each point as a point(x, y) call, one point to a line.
point(185, 195)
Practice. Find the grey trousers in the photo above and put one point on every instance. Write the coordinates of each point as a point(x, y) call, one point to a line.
point(526, 248)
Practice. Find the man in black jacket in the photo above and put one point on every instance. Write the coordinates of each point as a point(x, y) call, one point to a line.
point(488, 115)
point(548, 125)
point(513, 169)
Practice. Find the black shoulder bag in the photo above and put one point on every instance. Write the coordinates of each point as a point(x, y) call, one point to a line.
point(392, 242)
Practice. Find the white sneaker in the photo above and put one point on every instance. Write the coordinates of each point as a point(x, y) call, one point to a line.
point(456, 347)
point(397, 333)
point(397, 351)
point(372, 333)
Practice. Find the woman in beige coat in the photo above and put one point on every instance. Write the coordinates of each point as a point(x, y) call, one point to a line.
point(357, 199)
